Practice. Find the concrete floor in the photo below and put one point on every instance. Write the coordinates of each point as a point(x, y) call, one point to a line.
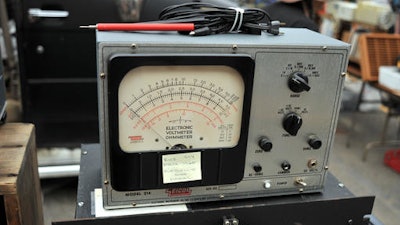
point(370, 177)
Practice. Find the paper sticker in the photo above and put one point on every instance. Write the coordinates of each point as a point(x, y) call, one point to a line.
point(181, 167)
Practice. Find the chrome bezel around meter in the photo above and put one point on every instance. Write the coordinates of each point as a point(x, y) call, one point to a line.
point(192, 109)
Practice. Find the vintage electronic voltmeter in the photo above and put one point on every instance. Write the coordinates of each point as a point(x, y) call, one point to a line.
point(188, 119)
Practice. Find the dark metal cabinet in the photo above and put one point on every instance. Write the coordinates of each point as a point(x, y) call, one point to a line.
point(2, 94)
point(58, 67)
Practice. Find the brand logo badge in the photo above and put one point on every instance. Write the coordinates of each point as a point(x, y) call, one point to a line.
point(173, 192)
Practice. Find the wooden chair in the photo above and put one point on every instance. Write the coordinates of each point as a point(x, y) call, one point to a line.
point(379, 49)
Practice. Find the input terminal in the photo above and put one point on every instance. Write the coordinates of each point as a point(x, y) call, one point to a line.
point(312, 163)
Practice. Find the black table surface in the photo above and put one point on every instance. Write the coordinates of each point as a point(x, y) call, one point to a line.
point(335, 205)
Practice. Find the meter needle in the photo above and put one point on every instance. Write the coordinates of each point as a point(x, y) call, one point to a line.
point(150, 127)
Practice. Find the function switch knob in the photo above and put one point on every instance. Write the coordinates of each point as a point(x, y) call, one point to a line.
point(298, 82)
point(292, 123)
point(265, 144)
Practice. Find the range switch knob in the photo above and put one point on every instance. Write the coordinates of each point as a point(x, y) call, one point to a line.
point(298, 82)
point(265, 144)
point(292, 123)
point(314, 141)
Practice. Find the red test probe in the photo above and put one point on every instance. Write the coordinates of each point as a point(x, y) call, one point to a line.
point(142, 26)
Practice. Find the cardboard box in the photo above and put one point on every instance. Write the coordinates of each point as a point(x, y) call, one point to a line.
point(389, 76)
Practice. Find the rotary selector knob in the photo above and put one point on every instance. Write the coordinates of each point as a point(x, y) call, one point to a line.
point(314, 142)
point(298, 82)
point(265, 144)
point(292, 123)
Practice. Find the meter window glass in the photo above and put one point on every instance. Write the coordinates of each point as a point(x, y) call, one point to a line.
point(180, 107)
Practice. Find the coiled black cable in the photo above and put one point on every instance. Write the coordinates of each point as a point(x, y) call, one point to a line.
point(212, 19)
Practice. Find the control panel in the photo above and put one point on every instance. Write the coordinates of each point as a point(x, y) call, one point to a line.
point(189, 119)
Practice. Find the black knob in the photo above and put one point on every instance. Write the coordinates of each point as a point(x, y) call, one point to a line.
point(257, 167)
point(314, 142)
point(298, 82)
point(179, 147)
point(265, 144)
point(292, 123)
point(285, 165)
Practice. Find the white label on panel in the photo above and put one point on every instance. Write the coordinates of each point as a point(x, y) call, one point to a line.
point(181, 167)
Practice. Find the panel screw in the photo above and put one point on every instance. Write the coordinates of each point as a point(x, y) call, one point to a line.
point(133, 204)
point(350, 222)
point(343, 74)
point(133, 46)
point(106, 182)
point(326, 168)
point(84, 153)
point(324, 48)
point(40, 49)
point(234, 47)
point(80, 204)
point(102, 75)
point(221, 196)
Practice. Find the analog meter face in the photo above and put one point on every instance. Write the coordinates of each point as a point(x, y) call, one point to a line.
point(166, 107)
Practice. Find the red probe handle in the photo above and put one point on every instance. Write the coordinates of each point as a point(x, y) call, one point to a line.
point(145, 26)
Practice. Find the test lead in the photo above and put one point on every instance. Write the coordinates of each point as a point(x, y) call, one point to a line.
point(141, 26)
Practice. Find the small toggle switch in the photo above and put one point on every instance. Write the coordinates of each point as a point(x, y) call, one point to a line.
point(300, 182)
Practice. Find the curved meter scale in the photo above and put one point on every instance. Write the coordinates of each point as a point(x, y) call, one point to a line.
point(179, 107)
